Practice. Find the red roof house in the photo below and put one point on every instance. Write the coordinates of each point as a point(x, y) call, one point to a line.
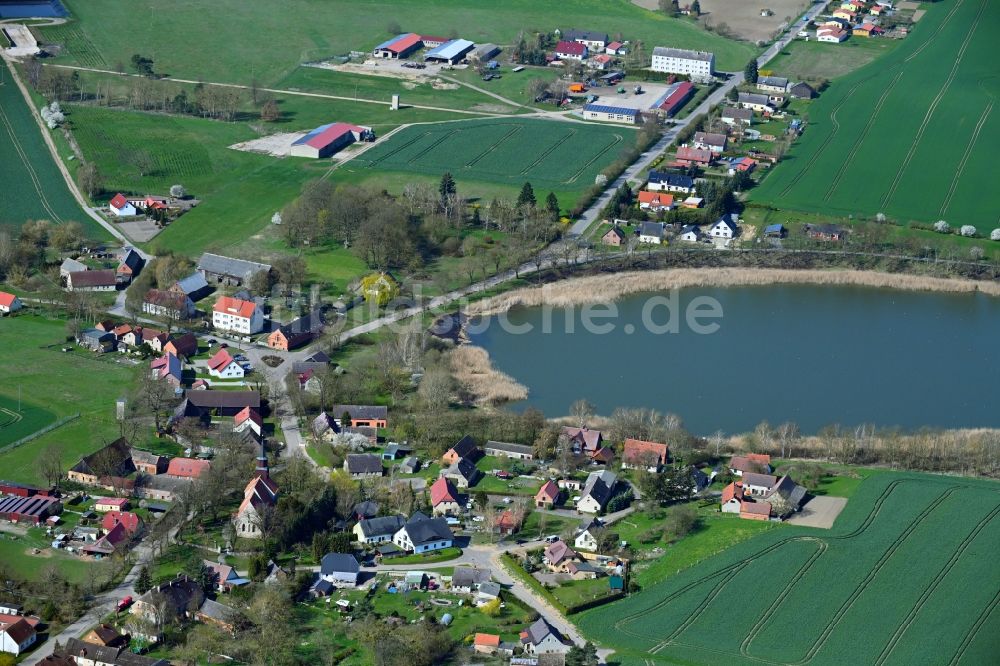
point(128, 520)
point(639, 453)
point(235, 306)
point(655, 200)
point(694, 155)
point(571, 49)
point(187, 468)
point(547, 494)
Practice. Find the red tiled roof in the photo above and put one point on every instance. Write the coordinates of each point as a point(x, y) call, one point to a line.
point(694, 154)
point(11, 619)
point(248, 413)
point(637, 449)
point(506, 520)
point(6, 299)
point(221, 360)
point(19, 632)
point(189, 468)
point(100, 278)
point(333, 132)
point(614, 46)
point(128, 520)
point(732, 490)
point(235, 306)
point(603, 454)
point(548, 491)
point(572, 48)
point(118, 201)
point(656, 198)
point(113, 501)
point(756, 508)
point(443, 491)
point(488, 640)
point(403, 43)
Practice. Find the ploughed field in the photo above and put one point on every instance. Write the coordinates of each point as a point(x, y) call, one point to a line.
point(912, 135)
point(907, 575)
point(554, 155)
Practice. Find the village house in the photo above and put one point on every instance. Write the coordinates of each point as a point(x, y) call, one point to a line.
point(465, 448)
point(691, 233)
point(223, 366)
point(421, 534)
point(651, 232)
point(148, 463)
point(203, 405)
point(259, 495)
point(711, 141)
point(154, 339)
point(9, 303)
point(444, 497)
point(547, 496)
point(127, 520)
point(831, 35)
point(296, 333)
point(187, 468)
point(120, 206)
point(463, 473)
point(732, 497)
point(613, 237)
point(597, 491)
point(100, 280)
point(466, 580)
point(542, 638)
point(725, 227)
point(586, 535)
point(103, 504)
point(363, 465)
point(755, 510)
point(115, 459)
point(165, 603)
point(340, 569)
point(16, 635)
point(616, 49)
point(377, 530)
point(693, 156)
point(593, 40)
point(194, 286)
point(129, 264)
point(87, 653)
point(558, 554)
point(249, 420)
point(697, 65)
point(755, 102)
point(224, 577)
point(167, 304)
point(751, 462)
point(757, 484)
point(665, 181)
point(361, 416)
point(239, 316)
point(737, 117)
point(167, 368)
point(508, 449)
point(639, 454)
point(802, 91)
point(226, 270)
point(583, 440)
point(70, 266)
point(96, 340)
point(182, 346)
point(106, 635)
point(567, 50)
point(486, 643)
point(790, 493)
point(655, 201)
point(777, 84)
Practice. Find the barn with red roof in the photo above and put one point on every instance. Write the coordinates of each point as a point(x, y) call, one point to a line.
point(327, 139)
point(399, 46)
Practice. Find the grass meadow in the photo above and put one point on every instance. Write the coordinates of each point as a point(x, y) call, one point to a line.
point(559, 156)
point(912, 135)
point(240, 40)
point(916, 583)
point(813, 61)
point(61, 384)
point(20, 419)
point(32, 187)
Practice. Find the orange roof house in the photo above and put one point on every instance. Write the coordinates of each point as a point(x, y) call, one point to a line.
point(187, 468)
point(694, 155)
point(655, 200)
point(547, 495)
point(486, 643)
point(639, 453)
point(235, 306)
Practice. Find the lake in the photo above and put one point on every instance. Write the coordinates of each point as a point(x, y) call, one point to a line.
point(809, 354)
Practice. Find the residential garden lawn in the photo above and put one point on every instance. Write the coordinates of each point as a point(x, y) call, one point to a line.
point(540, 525)
point(573, 593)
point(910, 135)
point(554, 156)
point(442, 555)
point(813, 61)
point(32, 185)
point(915, 582)
point(519, 485)
point(65, 383)
point(15, 553)
point(236, 42)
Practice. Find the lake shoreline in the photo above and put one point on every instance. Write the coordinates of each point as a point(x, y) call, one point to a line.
point(605, 288)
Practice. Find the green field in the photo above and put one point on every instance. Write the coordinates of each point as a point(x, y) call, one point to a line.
point(907, 575)
point(912, 135)
point(17, 421)
point(33, 188)
point(61, 383)
point(814, 61)
point(238, 40)
point(559, 156)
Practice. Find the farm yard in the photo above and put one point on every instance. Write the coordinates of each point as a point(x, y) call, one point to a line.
point(560, 156)
point(226, 43)
point(925, 542)
point(911, 135)
point(32, 185)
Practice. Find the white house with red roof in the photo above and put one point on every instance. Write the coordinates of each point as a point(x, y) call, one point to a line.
point(567, 50)
point(239, 316)
point(248, 418)
point(655, 200)
point(120, 206)
point(9, 303)
point(732, 497)
point(327, 139)
point(615, 48)
point(444, 497)
point(16, 635)
point(223, 366)
point(128, 520)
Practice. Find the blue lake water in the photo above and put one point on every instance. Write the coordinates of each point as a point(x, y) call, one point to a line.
point(809, 354)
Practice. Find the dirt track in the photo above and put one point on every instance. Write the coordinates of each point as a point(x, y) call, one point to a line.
point(819, 512)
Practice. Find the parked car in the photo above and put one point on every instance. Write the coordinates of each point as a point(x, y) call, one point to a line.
point(552, 538)
point(124, 603)
point(504, 475)
point(478, 519)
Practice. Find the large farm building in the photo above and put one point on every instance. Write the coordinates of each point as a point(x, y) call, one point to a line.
point(399, 46)
point(326, 140)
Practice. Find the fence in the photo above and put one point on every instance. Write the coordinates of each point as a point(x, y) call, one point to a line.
point(38, 433)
